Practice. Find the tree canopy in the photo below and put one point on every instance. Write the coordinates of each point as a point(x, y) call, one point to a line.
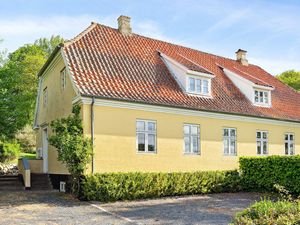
point(291, 78)
point(18, 85)
point(48, 45)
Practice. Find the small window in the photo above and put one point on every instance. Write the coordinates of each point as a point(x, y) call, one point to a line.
point(229, 141)
point(289, 144)
point(45, 97)
point(262, 142)
point(191, 138)
point(63, 79)
point(261, 97)
point(198, 86)
point(146, 136)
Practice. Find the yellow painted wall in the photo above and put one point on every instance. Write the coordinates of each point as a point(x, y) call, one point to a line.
point(59, 105)
point(115, 141)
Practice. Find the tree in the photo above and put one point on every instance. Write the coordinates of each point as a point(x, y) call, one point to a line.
point(291, 78)
point(73, 148)
point(18, 84)
point(18, 87)
point(48, 45)
point(2, 55)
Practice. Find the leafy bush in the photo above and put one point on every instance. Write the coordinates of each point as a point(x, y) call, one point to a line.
point(269, 212)
point(9, 151)
point(128, 186)
point(73, 148)
point(262, 173)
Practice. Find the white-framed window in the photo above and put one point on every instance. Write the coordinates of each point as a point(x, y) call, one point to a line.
point(262, 97)
point(229, 141)
point(289, 144)
point(199, 86)
point(45, 97)
point(191, 138)
point(262, 142)
point(63, 80)
point(146, 136)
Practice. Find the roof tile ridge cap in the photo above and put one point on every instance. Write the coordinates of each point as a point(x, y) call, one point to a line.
point(252, 76)
point(194, 62)
point(81, 34)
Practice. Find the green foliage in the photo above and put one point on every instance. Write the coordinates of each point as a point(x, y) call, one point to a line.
point(73, 148)
point(262, 173)
point(9, 151)
point(26, 139)
point(18, 87)
point(291, 78)
point(48, 45)
point(269, 212)
point(127, 186)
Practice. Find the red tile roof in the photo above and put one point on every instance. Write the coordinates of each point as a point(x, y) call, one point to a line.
point(105, 63)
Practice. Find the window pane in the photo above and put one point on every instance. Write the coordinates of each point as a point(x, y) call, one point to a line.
point(265, 135)
point(258, 134)
point(265, 150)
point(291, 137)
point(195, 129)
point(232, 146)
point(141, 142)
point(205, 86)
point(286, 148)
point(286, 137)
point(195, 146)
point(186, 129)
point(226, 146)
point(151, 126)
point(258, 147)
point(225, 132)
point(140, 125)
point(186, 144)
point(151, 142)
point(232, 132)
point(256, 93)
point(198, 86)
point(191, 84)
point(292, 149)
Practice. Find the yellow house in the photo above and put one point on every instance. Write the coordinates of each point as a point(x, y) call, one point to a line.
point(150, 105)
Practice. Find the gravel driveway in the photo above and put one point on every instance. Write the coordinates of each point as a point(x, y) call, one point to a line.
point(56, 208)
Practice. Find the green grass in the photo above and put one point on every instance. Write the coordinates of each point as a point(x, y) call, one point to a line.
point(27, 155)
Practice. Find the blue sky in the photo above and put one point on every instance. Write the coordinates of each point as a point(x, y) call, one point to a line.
point(268, 30)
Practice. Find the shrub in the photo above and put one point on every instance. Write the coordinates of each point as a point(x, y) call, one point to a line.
point(128, 186)
point(269, 212)
point(9, 151)
point(262, 173)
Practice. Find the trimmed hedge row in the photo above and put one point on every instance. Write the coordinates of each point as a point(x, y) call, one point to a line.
point(128, 186)
point(261, 173)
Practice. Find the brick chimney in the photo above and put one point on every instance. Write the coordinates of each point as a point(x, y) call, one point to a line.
point(124, 25)
point(241, 57)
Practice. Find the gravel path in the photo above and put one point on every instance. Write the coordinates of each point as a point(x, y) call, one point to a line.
point(56, 208)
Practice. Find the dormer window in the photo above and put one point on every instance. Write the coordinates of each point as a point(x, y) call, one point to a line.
point(198, 85)
point(261, 97)
point(192, 78)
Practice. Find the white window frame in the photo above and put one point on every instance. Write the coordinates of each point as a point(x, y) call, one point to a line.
point(201, 79)
point(229, 138)
point(190, 136)
point(63, 80)
point(289, 142)
point(261, 101)
point(45, 97)
point(261, 140)
point(146, 132)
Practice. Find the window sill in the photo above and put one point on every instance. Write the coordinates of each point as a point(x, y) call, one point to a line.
point(146, 153)
point(234, 155)
point(191, 154)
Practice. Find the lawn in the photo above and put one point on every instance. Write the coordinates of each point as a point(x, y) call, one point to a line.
point(27, 155)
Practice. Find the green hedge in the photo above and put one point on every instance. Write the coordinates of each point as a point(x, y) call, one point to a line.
point(128, 186)
point(261, 173)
